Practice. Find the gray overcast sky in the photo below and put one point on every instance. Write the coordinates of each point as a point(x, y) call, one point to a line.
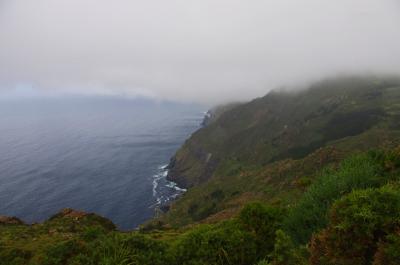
point(208, 51)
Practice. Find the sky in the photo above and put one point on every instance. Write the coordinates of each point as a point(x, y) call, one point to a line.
point(204, 51)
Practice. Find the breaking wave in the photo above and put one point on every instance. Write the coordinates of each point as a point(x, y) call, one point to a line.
point(164, 191)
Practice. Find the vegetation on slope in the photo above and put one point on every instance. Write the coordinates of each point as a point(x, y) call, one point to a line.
point(363, 229)
point(272, 148)
point(358, 224)
point(358, 172)
point(288, 125)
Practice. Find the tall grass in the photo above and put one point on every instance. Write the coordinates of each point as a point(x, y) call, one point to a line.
point(114, 251)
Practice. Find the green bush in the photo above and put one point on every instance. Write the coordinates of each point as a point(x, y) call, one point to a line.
point(108, 249)
point(358, 172)
point(225, 243)
point(262, 221)
point(61, 252)
point(285, 252)
point(124, 249)
point(14, 256)
point(240, 241)
point(92, 233)
point(361, 223)
point(147, 250)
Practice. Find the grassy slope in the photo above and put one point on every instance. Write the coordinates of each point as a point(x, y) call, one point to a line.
point(33, 242)
point(259, 150)
point(286, 125)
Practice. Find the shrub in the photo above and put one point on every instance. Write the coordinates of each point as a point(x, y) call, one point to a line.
point(14, 256)
point(225, 243)
point(110, 249)
point(92, 233)
point(240, 241)
point(357, 172)
point(61, 252)
point(361, 227)
point(147, 250)
point(284, 252)
point(262, 221)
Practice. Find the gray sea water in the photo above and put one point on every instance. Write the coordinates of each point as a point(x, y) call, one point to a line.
point(103, 155)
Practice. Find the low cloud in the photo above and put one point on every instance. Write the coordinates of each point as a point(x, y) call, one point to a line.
point(207, 51)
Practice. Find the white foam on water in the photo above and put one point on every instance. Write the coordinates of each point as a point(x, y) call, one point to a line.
point(156, 178)
point(173, 185)
point(163, 167)
point(161, 194)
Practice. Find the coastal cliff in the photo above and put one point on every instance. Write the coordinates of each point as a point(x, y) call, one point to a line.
point(288, 125)
point(222, 163)
point(192, 159)
point(281, 180)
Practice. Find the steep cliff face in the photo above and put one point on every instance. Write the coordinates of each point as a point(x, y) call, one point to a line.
point(193, 164)
point(284, 125)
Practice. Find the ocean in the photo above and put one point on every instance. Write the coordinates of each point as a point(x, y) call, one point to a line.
point(104, 155)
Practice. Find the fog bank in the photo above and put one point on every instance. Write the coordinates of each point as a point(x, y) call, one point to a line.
point(208, 51)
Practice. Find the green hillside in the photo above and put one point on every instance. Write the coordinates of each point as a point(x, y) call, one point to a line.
point(271, 148)
point(288, 125)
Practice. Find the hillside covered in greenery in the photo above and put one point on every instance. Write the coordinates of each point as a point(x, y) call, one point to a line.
point(273, 147)
point(304, 178)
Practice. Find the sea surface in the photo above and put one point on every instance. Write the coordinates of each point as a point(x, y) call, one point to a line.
point(102, 155)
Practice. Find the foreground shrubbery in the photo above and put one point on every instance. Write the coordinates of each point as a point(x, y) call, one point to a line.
point(349, 215)
point(372, 169)
point(363, 228)
point(243, 240)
